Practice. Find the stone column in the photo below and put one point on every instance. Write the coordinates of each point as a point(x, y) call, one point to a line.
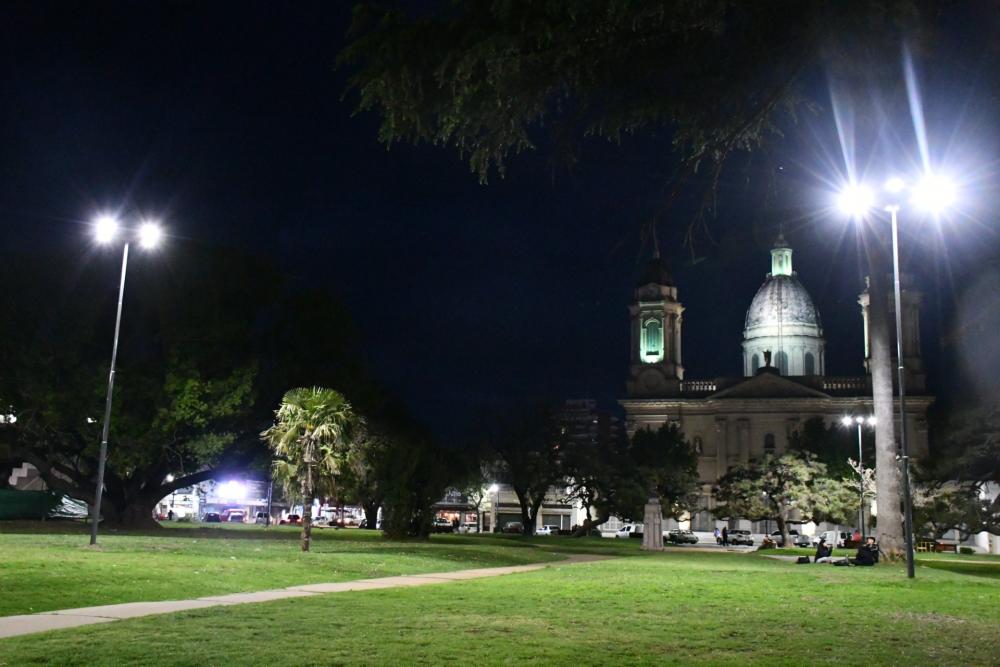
point(652, 526)
point(743, 434)
point(721, 447)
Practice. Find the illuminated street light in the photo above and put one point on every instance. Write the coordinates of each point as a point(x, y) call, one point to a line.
point(933, 193)
point(8, 417)
point(150, 235)
point(856, 200)
point(105, 230)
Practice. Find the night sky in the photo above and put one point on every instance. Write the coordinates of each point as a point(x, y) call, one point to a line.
point(226, 120)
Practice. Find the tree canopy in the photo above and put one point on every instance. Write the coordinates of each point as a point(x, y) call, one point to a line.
point(207, 339)
point(783, 488)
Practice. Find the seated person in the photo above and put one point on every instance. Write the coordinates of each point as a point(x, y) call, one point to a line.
point(823, 552)
point(867, 553)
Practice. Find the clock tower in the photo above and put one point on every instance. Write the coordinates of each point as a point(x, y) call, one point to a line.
point(655, 368)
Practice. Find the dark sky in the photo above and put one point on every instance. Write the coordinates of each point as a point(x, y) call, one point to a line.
point(226, 120)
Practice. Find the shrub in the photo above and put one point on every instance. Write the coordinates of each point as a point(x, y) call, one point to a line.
point(966, 550)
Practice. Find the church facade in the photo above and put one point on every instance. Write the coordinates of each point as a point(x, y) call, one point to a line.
point(731, 420)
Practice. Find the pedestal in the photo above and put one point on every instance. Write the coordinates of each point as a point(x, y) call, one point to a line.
point(652, 526)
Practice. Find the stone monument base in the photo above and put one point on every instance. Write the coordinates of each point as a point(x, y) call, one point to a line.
point(652, 526)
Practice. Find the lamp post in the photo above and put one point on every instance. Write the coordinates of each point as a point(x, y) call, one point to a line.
point(933, 193)
point(105, 231)
point(859, 421)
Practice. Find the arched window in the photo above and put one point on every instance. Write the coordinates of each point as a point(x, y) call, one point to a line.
point(652, 340)
point(754, 363)
point(781, 362)
point(810, 364)
point(769, 444)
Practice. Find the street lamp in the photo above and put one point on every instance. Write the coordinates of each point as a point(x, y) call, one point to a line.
point(933, 193)
point(106, 230)
point(859, 421)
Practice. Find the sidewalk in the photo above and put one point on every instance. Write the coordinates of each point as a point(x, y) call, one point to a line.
point(12, 626)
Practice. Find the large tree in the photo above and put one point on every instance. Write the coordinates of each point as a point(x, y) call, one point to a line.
point(493, 79)
point(529, 459)
point(208, 346)
point(310, 438)
point(960, 483)
point(780, 487)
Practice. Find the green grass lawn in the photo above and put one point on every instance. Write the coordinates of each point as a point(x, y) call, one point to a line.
point(673, 608)
point(50, 566)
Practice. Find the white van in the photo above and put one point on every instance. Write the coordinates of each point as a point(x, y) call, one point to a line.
point(630, 530)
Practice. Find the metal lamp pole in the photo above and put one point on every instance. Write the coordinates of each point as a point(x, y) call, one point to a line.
point(904, 458)
point(102, 457)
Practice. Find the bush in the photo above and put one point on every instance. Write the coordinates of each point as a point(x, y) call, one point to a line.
point(966, 550)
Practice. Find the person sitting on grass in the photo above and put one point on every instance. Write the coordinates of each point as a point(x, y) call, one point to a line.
point(824, 554)
point(867, 554)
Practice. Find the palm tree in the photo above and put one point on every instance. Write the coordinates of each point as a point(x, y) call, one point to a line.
point(309, 439)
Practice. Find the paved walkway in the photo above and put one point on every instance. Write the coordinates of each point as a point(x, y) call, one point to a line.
point(12, 626)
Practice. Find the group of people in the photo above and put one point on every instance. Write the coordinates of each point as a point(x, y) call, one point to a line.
point(866, 555)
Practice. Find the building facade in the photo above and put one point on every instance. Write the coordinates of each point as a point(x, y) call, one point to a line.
point(732, 420)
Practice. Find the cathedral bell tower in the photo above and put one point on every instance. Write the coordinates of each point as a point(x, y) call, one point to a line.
point(655, 368)
point(911, 299)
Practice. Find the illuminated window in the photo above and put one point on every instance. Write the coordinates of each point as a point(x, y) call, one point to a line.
point(652, 340)
point(810, 364)
point(754, 363)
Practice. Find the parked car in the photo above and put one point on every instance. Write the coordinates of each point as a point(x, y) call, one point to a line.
point(291, 520)
point(442, 526)
point(513, 527)
point(236, 517)
point(682, 537)
point(547, 530)
point(630, 530)
point(260, 518)
point(468, 527)
point(740, 537)
point(212, 517)
point(797, 540)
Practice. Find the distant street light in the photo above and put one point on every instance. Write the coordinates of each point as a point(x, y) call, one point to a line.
point(933, 193)
point(106, 229)
point(848, 422)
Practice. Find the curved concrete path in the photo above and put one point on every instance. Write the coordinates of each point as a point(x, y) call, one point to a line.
point(12, 626)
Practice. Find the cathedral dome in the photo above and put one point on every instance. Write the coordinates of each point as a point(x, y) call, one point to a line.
point(782, 323)
point(782, 301)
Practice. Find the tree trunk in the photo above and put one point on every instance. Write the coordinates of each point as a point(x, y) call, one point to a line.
point(786, 539)
point(887, 474)
point(307, 509)
point(371, 514)
point(589, 524)
point(136, 514)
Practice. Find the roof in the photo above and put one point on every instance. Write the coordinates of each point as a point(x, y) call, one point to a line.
point(656, 271)
point(769, 385)
point(782, 300)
